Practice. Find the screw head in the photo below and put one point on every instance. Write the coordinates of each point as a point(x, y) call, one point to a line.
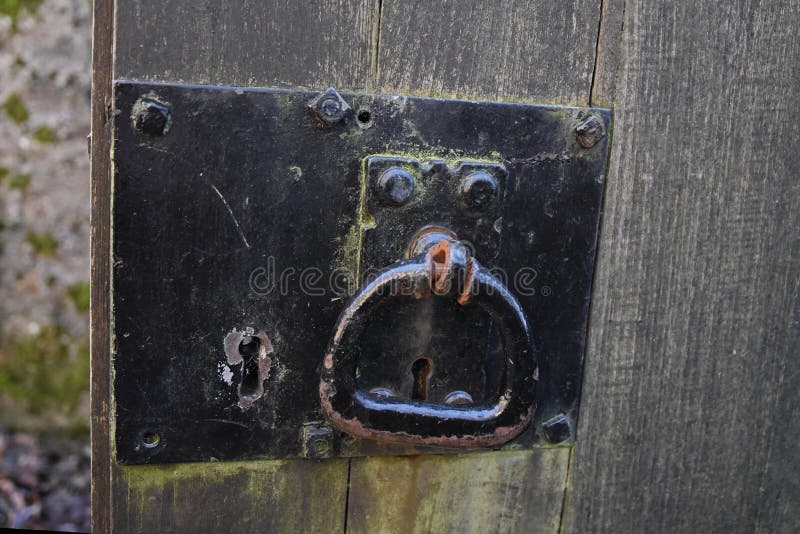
point(479, 189)
point(590, 131)
point(329, 107)
point(557, 429)
point(151, 117)
point(397, 186)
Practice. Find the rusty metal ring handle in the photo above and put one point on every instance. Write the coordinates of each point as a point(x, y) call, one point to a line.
point(363, 414)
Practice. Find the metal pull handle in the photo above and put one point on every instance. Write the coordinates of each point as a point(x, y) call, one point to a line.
point(441, 269)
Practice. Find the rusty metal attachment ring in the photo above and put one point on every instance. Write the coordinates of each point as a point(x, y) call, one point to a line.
point(431, 275)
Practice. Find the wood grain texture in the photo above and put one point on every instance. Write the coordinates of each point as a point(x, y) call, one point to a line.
point(609, 41)
point(280, 43)
point(102, 73)
point(510, 50)
point(519, 491)
point(258, 496)
point(690, 415)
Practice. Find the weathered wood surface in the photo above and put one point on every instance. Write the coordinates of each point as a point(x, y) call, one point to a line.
point(689, 420)
point(102, 65)
point(508, 50)
point(286, 43)
point(519, 491)
point(690, 417)
point(259, 496)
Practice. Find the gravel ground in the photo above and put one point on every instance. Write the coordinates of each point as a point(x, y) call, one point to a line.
point(44, 484)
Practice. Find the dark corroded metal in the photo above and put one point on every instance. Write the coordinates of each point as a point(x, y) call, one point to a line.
point(250, 223)
point(444, 270)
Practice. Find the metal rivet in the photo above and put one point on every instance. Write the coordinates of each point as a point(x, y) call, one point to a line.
point(479, 189)
point(590, 131)
point(397, 185)
point(151, 117)
point(458, 397)
point(557, 429)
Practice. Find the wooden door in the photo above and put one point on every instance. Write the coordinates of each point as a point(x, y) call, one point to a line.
point(691, 395)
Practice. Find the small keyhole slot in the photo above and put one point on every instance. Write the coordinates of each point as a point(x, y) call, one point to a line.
point(250, 349)
point(421, 370)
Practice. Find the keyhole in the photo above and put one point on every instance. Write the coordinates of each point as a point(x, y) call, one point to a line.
point(250, 348)
point(421, 370)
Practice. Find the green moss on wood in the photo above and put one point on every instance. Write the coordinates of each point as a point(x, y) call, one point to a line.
point(15, 108)
point(43, 244)
point(246, 496)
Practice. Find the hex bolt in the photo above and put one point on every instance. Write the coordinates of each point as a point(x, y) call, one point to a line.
point(397, 186)
point(151, 117)
point(590, 131)
point(317, 440)
point(329, 107)
point(479, 189)
point(557, 429)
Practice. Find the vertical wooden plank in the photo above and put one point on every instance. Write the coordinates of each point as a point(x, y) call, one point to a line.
point(102, 73)
point(518, 491)
point(691, 407)
point(277, 43)
point(511, 49)
point(313, 44)
point(525, 51)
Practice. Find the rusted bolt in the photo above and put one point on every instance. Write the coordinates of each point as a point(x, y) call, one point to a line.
point(329, 107)
point(151, 117)
point(590, 131)
point(396, 185)
point(479, 189)
point(557, 429)
point(317, 440)
point(458, 397)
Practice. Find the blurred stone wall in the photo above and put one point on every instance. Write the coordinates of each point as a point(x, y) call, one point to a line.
point(45, 70)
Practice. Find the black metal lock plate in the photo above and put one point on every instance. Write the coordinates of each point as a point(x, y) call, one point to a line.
point(242, 220)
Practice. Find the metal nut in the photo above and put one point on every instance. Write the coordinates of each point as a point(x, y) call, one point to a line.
point(397, 186)
point(329, 107)
point(151, 117)
point(590, 131)
point(557, 429)
point(317, 441)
